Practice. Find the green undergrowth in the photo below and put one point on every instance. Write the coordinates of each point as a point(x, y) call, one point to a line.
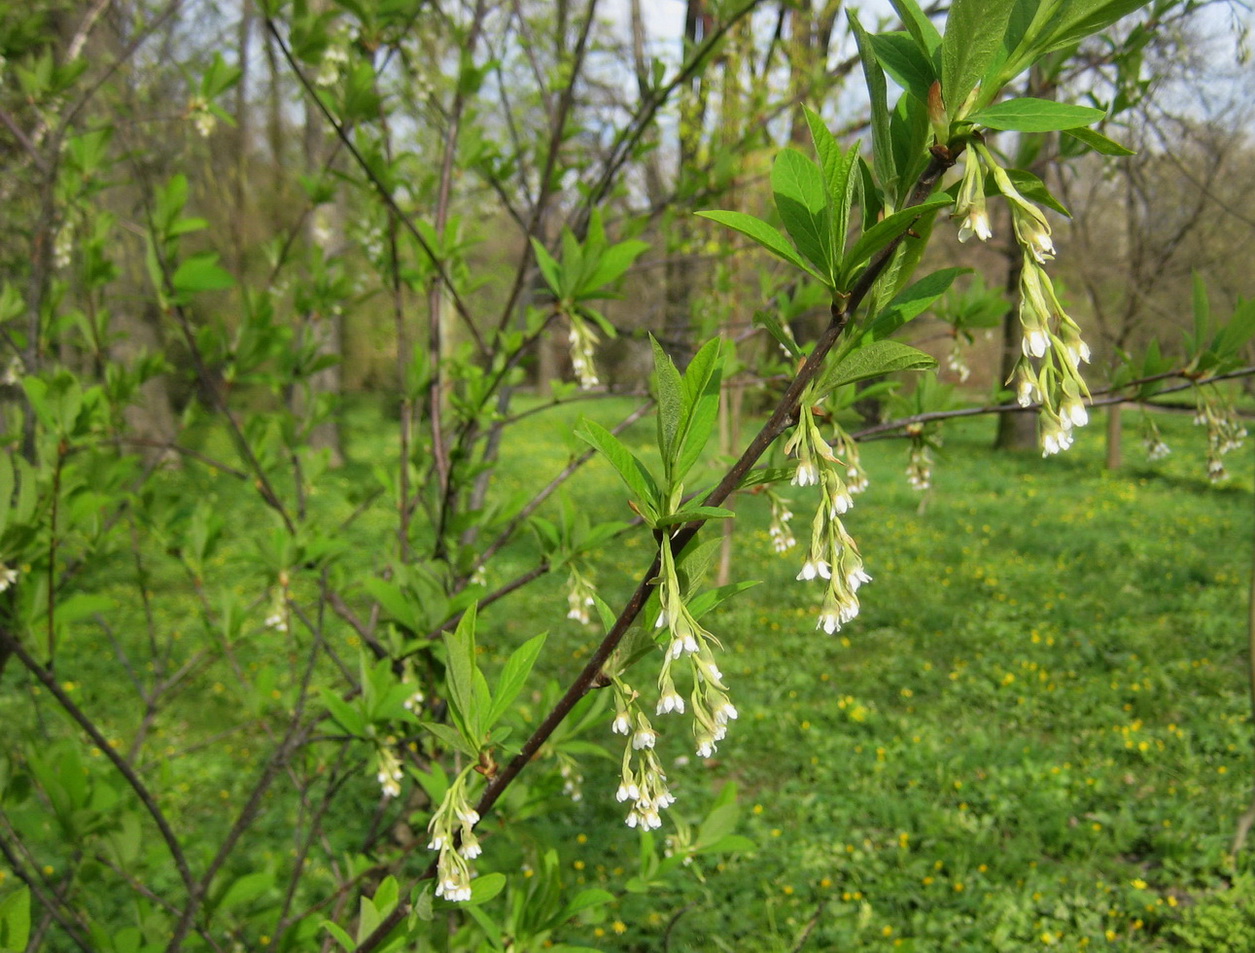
point(1035, 734)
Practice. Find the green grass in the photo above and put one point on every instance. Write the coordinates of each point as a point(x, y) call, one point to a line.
point(1035, 735)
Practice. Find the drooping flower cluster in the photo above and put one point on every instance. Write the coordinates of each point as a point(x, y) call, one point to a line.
point(452, 831)
point(572, 780)
point(956, 361)
point(416, 697)
point(692, 646)
point(388, 771)
point(203, 119)
point(8, 576)
point(1050, 336)
point(277, 617)
point(583, 340)
point(782, 538)
point(579, 598)
point(919, 465)
point(642, 781)
point(846, 448)
point(1152, 440)
point(13, 372)
point(334, 59)
point(833, 555)
point(1225, 431)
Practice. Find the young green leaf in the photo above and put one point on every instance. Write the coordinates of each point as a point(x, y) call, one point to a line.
point(689, 513)
point(885, 231)
point(611, 265)
point(908, 133)
point(920, 28)
point(701, 405)
point(1084, 18)
point(451, 738)
point(669, 391)
point(837, 165)
point(874, 360)
point(631, 471)
point(877, 92)
point(974, 31)
point(802, 202)
point(461, 668)
point(550, 270)
point(1099, 143)
point(1234, 335)
point(6, 488)
point(1027, 114)
point(1031, 187)
point(765, 235)
point(1202, 315)
point(911, 303)
point(514, 676)
point(201, 273)
point(703, 602)
point(347, 716)
point(902, 59)
point(769, 321)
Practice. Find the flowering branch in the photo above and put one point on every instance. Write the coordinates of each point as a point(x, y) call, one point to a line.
point(593, 674)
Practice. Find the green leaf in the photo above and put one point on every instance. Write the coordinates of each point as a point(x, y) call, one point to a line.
point(802, 201)
point(389, 595)
point(911, 303)
point(703, 602)
point(730, 844)
point(1202, 313)
point(836, 164)
point(1034, 188)
point(701, 405)
point(689, 513)
point(769, 321)
point(875, 360)
point(1234, 335)
point(886, 230)
point(669, 390)
point(874, 76)
point(246, 888)
point(614, 261)
point(15, 920)
point(550, 270)
point(1027, 114)
point(82, 605)
point(585, 900)
point(1099, 143)
point(909, 134)
point(460, 671)
point(901, 58)
point(201, 273)
point(1086, 18)
point(921, 29)
point(764, 475)
point(451, 738)
point(974, 31)
point(6, 488)
point(514, 676)
point(631, 471)
point(770, 238)
point(346, 716)
point(483, 889)
point(341, 937)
